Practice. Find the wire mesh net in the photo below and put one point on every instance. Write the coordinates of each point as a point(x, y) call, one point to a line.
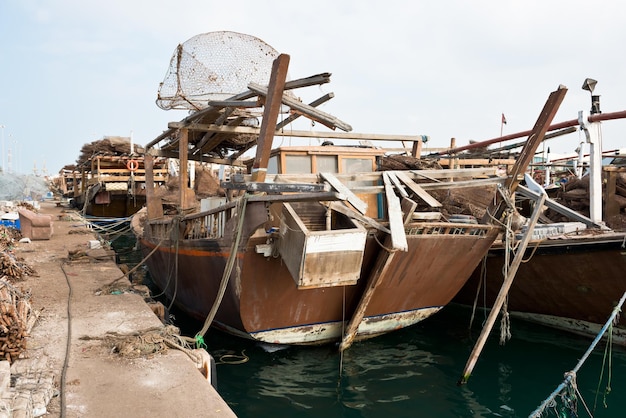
point(214, 66)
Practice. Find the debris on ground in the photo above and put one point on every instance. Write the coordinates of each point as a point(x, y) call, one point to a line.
point(17, 319)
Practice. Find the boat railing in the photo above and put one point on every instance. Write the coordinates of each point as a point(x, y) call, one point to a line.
point(445, 228)
point(206, 224)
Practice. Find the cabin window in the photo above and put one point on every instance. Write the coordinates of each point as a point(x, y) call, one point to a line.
point(326, 163)
point(356, 165)
point(297, 164)
point(272, 165)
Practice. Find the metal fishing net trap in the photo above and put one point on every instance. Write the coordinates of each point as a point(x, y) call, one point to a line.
point(214, 66)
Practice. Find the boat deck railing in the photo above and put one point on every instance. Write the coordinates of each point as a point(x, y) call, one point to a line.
point(443, 228)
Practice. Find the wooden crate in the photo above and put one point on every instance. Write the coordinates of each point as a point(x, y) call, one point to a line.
point(320, 251)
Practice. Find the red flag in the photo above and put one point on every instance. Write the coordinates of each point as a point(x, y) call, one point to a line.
point(503, 119)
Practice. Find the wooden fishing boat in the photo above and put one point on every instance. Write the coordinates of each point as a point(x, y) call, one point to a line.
point(309, 244)
point(331, 253)
point(573, 273)
point(109, 181)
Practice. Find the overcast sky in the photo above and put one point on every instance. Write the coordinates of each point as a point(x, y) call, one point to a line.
point(74, 71)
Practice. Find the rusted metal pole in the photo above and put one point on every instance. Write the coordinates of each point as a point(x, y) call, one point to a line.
point(574, 122)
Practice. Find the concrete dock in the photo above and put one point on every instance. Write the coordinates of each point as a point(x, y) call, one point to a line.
point(70, 368)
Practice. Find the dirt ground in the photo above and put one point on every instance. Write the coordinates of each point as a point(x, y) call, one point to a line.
point(91, 379)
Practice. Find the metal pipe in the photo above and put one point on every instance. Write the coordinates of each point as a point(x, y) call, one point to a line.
point(574, 122)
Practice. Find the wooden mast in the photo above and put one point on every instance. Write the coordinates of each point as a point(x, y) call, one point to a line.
point(273, 103)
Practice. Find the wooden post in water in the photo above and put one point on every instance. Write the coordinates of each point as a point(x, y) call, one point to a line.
point(504, 290)
point(496, 210)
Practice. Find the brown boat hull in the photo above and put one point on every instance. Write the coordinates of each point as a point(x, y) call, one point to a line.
point(572, 284)
point(263, 302)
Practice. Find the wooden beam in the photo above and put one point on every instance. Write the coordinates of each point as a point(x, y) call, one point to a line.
point(418, 190)
point(397, 184)
point(351, 213)
point(314, 103)
point(504, 290)
point(187, 196)
point(496, 210)
point(322, 117)
point(270, 115)
point(394, 212)
point(353, 199)
point(235, 130)
point(234, 103)
point(383, 261)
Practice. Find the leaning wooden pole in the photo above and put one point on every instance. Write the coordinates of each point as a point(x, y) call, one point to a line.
point(504, 290)
point(536, 137)
point(273, 103)
point(528, 151)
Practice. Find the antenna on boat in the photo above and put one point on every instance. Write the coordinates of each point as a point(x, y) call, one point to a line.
point(590, 84)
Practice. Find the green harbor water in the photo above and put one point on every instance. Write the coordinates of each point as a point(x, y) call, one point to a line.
point(414, 372)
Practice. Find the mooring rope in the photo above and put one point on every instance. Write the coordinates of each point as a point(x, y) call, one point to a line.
point(241, 211)
point(571, 375)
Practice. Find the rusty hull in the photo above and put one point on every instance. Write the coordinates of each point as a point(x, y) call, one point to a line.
point(571, 284)
point(263, 302)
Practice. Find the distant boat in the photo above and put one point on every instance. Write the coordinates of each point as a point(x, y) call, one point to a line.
point(111, 182)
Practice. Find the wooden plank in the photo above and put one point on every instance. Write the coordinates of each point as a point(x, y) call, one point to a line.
point(417, 189)
point(314, 103)
point(394, 212)
point(383, 261)
point(234, 103)
point(408, 207)
point(351, 213)
point(270, 115)
point(235, 130)
point(496, 210)
point(611, 207)
point(354, 200)
point(397, 184)
point(504, 291)
point(322, 117)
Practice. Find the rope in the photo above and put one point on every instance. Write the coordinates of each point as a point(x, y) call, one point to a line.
point(239, 359)
point(175, 227)
point(570, 375)
point(483, 275)
point(389, 250)
point(241, 210)
point(142, 262)
point(505, 322)
point(608, 348)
